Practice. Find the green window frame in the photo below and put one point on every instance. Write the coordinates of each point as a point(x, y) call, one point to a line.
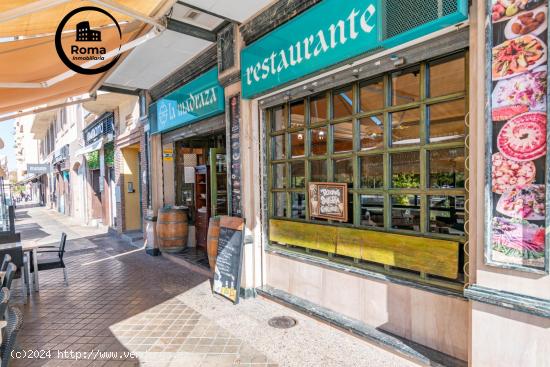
point(292, 193)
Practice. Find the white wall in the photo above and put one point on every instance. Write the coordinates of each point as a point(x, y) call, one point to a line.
point(26, 145)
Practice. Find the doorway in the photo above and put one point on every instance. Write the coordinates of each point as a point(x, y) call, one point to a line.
point(200, 175)
point(96, 194)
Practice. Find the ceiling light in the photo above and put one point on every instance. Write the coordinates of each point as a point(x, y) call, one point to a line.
point(192, 14)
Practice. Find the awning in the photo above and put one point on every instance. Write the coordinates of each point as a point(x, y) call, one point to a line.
point(90, 148)
point(29, 179)
point(152, 62)
point(31, 72)
point(47, 20)
point(36, 60)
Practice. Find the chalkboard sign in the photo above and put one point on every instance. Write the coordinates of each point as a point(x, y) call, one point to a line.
point(227, 274)
point(328, 200)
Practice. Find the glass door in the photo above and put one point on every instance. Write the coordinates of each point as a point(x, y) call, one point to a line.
point(218, 181)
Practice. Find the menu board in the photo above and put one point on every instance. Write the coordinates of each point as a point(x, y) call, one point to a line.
point(235, 169)
point(227, 273)
point(328, 200)
point(517, 126)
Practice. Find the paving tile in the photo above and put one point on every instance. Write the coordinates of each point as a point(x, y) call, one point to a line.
point(126, 303)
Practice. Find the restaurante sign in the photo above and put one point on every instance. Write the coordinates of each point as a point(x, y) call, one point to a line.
point(197, 100)
point(334, 31)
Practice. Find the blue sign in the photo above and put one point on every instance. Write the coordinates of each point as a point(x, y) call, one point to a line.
point(334, 31)
point(195, 101)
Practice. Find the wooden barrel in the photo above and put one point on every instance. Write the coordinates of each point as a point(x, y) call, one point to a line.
point(212, 241)
point(172, 229)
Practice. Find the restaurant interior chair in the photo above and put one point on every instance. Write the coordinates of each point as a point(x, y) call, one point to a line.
point(53, 262)
point(4, 299)
point(5, 262)
point(14, 318)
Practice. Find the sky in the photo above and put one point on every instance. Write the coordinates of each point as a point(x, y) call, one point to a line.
point(6, 134)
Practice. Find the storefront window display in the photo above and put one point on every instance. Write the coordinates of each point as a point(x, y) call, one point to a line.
point(397, 140)
point(517, 138)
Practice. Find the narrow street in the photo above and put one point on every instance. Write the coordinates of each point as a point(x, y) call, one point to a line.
point(121, 300)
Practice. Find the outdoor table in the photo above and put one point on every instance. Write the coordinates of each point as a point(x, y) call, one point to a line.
point(28, 247)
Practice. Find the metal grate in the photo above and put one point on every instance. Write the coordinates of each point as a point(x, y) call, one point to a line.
point(401, 16)
point(282, 322)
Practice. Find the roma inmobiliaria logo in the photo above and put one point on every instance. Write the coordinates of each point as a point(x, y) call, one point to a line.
point(87, 40)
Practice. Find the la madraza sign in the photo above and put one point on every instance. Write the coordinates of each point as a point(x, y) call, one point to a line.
point(326, 34)
point(195, 101)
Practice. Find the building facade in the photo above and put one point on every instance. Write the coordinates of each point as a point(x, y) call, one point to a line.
point(356, 148)
point(58, 132)
point(117, 138)
point(391, 170)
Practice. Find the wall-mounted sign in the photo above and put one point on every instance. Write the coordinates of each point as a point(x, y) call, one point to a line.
point(38, 169)
point(60, 154)
point(168, 154)
point(328, 200)
point(517, 144)
point(197, 100)
point(103, 126)
point(334, 31)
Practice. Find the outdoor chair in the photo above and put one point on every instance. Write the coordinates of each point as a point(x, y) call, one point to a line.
point(53, 262)
point(4, 299)
point(5, 262)
point(19, 259)
point(9, 334)
point(10, 274)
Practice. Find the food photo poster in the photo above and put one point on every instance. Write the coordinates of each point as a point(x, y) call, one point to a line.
point(517, 114)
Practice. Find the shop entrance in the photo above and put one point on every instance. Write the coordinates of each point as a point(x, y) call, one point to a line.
point(201, 181)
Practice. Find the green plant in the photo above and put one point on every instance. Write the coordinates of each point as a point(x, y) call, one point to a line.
point(93, 159)
point(405, 181)
point(109, 150)
point(448, 179)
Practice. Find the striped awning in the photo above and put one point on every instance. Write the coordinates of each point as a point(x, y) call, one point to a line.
point(32, 73)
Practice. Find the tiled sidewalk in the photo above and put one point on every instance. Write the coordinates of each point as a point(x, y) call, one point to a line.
point(121, 300)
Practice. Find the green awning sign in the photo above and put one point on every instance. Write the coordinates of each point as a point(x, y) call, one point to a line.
point(199, 99)
point(334, 31)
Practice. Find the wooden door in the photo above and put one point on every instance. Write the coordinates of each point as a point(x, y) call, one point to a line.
point(96, 194)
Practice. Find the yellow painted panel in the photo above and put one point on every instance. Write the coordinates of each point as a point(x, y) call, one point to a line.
point(312, 236)
point(353, 243)
point(130, 170)
point(428, 255)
